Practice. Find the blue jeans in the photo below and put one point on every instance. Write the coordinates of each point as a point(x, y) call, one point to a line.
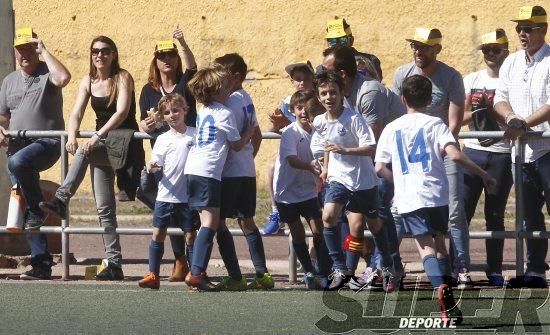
point(536, 193)
point(498, 166)
point(26, 159)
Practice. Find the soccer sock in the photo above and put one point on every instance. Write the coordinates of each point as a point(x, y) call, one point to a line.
point(178, 245)
point(300, 248)
point(352, 260)
point(332, 240)
point(156, 250)
point(189, 249)
point(229, 254)
point(202, 250)
point(431, 266)
point(381, 241)
point(445, 267)
point(257, 253)
point(323, 259)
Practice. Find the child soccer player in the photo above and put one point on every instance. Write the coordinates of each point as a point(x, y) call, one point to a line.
point(239, 180)
point(349, 170)
point(216, 133)
point(295, 185)
point(171, 209)
point(301, 77)
point(415, 145)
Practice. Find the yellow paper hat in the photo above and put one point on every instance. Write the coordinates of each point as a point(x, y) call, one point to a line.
point(165, 46)
point(494, 37)
point(337, 28)
point(428, 36)
point(535, 14)
point(22, 36)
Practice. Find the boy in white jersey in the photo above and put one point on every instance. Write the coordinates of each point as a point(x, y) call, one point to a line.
point(295, 186)
point(301, 77)
point(238, 192)
point(216, 134)
point(348, 144)
point(415, 145)
point(171, 208)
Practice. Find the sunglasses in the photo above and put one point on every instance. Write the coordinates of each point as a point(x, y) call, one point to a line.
point(103, 51)
point(164, 55)
point(337, 41)
point(494, 50)
point(526, 29)
point(420, 47)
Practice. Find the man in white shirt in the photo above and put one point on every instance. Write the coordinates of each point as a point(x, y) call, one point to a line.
point(523, 100)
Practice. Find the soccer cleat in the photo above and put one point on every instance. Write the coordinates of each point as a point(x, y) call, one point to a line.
point(495, 279)
point(201, 283)
point(337, 280)
point(33, 221)
point(56, 207)
point(230, 284)
point(110, 272)
point(274, 225)
point(151, 281)
point(180, 270)
point(356, 285)
point(37, 273)
point(390, 280)
point(262, 283)
point(312, 282)
point(370, 277)
point(449, 308)
point(464, 279)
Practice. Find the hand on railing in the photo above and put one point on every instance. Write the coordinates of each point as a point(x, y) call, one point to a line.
point(72, 145)
point(516, 127)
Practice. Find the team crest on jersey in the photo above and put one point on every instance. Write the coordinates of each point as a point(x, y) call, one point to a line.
point(342, 131)
point(190, 144)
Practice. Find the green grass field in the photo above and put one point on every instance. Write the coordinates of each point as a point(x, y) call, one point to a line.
point(59, 308)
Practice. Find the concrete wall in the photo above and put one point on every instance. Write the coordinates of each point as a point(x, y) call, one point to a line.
point(269, 34)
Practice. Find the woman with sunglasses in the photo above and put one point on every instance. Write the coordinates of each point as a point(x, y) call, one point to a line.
point(110, 90)
point(167, 75)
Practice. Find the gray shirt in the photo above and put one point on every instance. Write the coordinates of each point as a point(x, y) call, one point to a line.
point(373, 100)
point(33, 103)
point(447, 87)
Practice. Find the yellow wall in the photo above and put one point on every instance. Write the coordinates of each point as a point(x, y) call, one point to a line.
point(268, 34)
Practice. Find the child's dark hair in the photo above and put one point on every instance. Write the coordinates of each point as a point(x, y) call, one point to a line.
point(170, 100)
point(417, 91)
point(314, 108)
point(233, 63)
point(299, 97)
point(207, 83)
point(326, 77)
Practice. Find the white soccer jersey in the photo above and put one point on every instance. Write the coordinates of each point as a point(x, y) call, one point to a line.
point(170, 152)
point(241, 163)
point(215, 128)
point(350, 130)
point(292, 185)
point(414, 145)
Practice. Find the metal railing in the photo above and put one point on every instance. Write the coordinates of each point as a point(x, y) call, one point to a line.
point(65, 230)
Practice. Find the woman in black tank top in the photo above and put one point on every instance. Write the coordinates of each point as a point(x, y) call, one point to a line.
point(111, 90)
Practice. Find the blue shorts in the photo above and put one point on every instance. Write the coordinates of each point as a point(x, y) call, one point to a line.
point(173, 215)
point(363, 201)
point(290, 213)
point(203, 192)
point(238, 197)
point(427, 221)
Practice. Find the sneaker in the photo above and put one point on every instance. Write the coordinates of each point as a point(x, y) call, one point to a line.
point(274, 225)
point(56, 207)
point(464, 279)
point(151, 281)
point(33, 221)
point(369, 277)
point(356, 285)
point(449, 308)
point(109, 272)
point(312, 282)
point(390, 281)
point(230, 284)
point(201, 283)
point(530, 280)
point(337, 280)
point(262, 283)
point(37, 273)
point(495, 279)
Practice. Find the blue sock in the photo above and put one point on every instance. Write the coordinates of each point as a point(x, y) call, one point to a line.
point(445, 267)
point(303, 255)
point(178, 245)
point(229, 254)
point(352, 260)
point(202, 250)
point(431, 266)
point(323, 259)
point(190, 255)
point(156, 250)
point(257, 253)
point(332, 240)
point(381, 241)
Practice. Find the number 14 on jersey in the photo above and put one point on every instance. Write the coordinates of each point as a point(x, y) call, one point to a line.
point(417, 154)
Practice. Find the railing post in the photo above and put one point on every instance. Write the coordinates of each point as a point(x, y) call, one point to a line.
point(518, 186)
point(292, 262)
point(65, 221)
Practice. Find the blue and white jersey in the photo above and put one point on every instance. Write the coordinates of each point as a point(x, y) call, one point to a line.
point(414, 145)
point(215, 129)
point(241, 163)
point(350, 130)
